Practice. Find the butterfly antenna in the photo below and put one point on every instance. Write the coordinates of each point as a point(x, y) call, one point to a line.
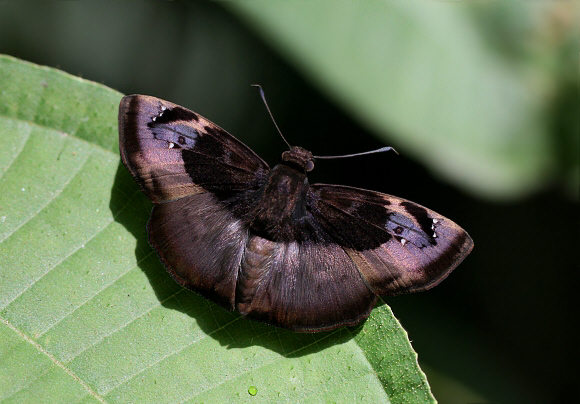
point(270, 112)
point(382, 149)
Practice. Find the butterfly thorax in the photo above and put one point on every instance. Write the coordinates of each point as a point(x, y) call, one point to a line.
point(281, 213)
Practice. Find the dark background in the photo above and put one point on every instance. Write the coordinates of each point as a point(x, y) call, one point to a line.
point(501, 327)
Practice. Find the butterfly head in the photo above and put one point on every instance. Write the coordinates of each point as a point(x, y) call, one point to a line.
point(298, 158)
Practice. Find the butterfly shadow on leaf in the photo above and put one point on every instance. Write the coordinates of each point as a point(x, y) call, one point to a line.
point(132, 209)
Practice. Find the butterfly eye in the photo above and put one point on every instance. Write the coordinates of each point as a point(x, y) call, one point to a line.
point(309, 166)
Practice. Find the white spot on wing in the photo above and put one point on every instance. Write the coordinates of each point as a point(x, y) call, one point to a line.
point(435, 221)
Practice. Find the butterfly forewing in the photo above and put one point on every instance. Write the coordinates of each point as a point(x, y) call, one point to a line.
point(397, 245)
point(173, 152)
point(265, 242)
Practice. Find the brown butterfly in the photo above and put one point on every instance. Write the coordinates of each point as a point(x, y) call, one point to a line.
point(264, 241)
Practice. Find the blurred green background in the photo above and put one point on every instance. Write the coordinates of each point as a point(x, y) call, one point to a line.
point(479, 99)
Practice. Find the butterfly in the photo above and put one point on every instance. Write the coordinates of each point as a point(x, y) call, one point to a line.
point(265, 242)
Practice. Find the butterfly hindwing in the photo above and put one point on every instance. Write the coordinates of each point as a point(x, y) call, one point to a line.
point(302, 286)
point(201, 245)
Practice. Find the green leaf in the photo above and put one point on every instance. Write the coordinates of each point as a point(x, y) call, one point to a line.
point(428, 78)
point(87, 312)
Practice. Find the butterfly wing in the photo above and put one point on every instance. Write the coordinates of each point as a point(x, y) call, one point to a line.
point(352, 246)
point(302, 286)
point(396, 245)
point(199, 177)
point(173, 152)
